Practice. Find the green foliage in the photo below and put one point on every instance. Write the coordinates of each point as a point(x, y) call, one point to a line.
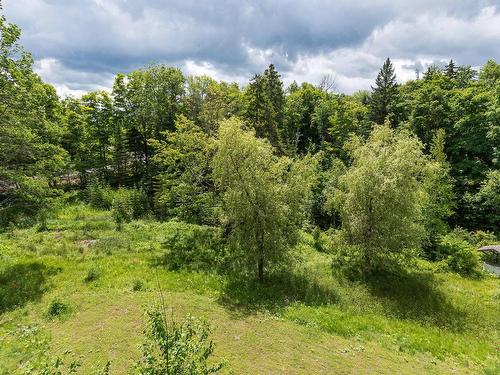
point(486, 202)
point(138, 285)
point(192, 246)
point(185, 187)
point(384, 94)
point(126, 204)
point(30, 153)
point(321, 240)
point(386, 172)
point(57, 308)
point(300, 131)
point(176, 348)
point(99, 195)
point(264, 197)
point(460, 256)
point(58, 367)
point(438, 185)
point(93, 274)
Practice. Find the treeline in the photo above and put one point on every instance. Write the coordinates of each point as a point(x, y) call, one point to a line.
point(395, 167)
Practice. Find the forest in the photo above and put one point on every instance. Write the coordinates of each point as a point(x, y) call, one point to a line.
point(308, 231)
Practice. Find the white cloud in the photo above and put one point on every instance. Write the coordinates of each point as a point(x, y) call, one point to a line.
point(69, 81)
point(79, 45)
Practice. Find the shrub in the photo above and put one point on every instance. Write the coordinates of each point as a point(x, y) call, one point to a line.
point(461, 257)
point(57, 308)
point(176, 348)
point(128, 204)
point(192, 246)
point(140, 203)
point(92, 275)
point(347, 261)
point(320, 240)
point(138, 285)
point(99, 195)
point(122, 207)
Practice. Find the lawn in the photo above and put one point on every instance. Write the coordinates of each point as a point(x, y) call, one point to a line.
point(302, 322)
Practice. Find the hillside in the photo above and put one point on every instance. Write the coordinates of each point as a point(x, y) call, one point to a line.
point(306, 322)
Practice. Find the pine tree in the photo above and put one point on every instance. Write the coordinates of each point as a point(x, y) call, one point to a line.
point(275, 93)
point(384, 94)
point(451, 70)
point(260, 112)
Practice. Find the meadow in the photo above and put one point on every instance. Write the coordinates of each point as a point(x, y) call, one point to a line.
point(77, 288)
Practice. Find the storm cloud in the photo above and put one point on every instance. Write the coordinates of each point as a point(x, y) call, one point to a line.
point(79, 45)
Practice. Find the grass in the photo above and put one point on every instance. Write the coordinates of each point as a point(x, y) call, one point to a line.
point(98, 281)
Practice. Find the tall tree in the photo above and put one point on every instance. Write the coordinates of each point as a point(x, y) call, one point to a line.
point(264, 196)
point(386, 171)
point(30, 155)
point(121, 113)
point(259, 112)
point(439, 187)
point(185, 185)
point(384, 93)
point(155, 100)
point(275, 93)
point(100, 126)
point(300, 132)
point(451, 70)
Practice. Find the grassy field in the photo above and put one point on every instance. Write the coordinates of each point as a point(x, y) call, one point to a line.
point(304, 322)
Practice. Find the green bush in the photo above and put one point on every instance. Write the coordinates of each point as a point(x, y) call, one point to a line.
point(99, 195)
point(122, 207)
point(347, 261)
point(460, 256)
point(176, 348)
point(128, 204)
point(57, 308)
point(138, 285)
point(321, 240)
point(192, 246)
point(92, 275)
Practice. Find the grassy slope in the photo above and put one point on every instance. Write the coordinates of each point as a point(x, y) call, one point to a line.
point(311, 323)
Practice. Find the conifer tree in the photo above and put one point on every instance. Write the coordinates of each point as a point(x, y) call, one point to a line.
point(384, 93)
point(275, 93)
point(451, 70)
point(260, 112)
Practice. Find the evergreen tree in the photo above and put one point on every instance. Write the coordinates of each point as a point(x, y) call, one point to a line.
point(384, 93)
point(260, 112)
point(451, 70)
point(275, 93)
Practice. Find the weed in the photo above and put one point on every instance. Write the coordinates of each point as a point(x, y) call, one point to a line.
point(93, 274)
point(138, 285)
point(57, 308)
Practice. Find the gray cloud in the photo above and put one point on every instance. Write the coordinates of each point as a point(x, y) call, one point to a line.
point(90, 40)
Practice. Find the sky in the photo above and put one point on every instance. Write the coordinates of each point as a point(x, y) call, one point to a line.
point(80, 45)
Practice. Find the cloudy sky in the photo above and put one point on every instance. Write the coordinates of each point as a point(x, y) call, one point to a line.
point(79, 45)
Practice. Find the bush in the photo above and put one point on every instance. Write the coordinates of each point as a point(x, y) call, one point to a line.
point(92, 275)
point(347, 261)
point(460, 256)
point(57, 308)
point(128, 204)
point(122, 207)
point(99, 195)
point(321, 240)
point(192, 246)
point(138, 285)
point(176, 348)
